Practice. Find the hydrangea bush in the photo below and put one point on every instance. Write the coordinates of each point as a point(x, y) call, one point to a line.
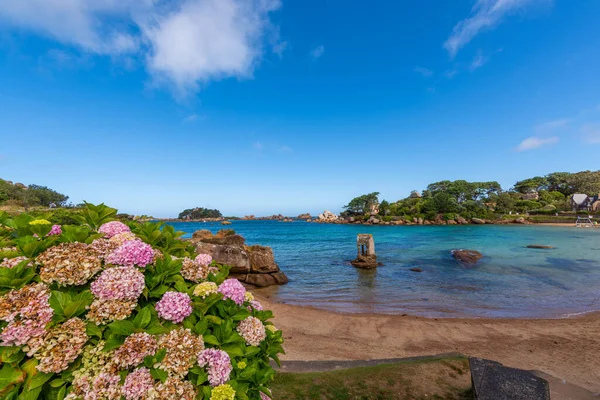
point(108, 310)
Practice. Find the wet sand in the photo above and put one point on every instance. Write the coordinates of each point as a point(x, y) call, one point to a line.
point(565, 348)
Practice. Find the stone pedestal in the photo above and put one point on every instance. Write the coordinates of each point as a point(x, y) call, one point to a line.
point(366, 257)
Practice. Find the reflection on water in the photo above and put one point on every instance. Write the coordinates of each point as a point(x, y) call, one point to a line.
point(510, 281)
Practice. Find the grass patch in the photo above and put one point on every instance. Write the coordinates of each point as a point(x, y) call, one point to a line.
point(431, 379)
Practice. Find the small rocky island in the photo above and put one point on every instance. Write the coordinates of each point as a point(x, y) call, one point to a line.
point(254, 265)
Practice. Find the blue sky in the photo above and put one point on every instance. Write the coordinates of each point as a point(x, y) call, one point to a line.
point(266, 106)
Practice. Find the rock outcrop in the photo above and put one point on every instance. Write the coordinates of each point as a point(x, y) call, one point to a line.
point(254, 265)
point(467, 257)
point(328, 216)
point(365, 261)
point(477, 221)
point(305, 216)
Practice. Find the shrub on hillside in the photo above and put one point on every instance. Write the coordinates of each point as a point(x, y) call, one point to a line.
point(101, 310)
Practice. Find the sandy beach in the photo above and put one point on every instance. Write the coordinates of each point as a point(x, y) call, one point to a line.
point(568, 349)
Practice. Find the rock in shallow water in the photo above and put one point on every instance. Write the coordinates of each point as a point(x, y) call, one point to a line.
point(467, 257)
point(539, 246)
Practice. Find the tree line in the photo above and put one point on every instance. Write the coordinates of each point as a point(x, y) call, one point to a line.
point(544, 194)
point(28, 196)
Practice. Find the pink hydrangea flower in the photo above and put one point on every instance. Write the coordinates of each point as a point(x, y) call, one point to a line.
point(203, 259)
point(113, 228)
point(255, 304)
point(27, 311)
point(234, 290)
point(264, 396)
point(252, 330)
point(136, 347)
point(218, 363)
point(132, 253)
point(137, 384)
point(12, 262)
point(174, 306)
point(56, 230)
point(118, 283)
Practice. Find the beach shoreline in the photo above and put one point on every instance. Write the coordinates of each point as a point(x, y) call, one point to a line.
point(566, 348)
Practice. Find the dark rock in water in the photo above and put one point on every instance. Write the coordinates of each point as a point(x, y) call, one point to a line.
point(365, 261)
point(493, 381)
point(416, 269)
point(467, 257)
point(539, 246)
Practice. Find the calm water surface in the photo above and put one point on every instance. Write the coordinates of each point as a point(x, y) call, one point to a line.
point(511, 281)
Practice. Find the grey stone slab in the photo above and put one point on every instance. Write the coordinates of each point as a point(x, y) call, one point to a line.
point(493, 381)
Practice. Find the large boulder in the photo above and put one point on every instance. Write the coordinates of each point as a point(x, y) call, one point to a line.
point(467, 257)
point(260, 280)
point(202, 234)
point(235, 256)
point(305, 216)
point(520, 220)
point(254, 265)
point(477, 221)
point(262, 260)
point(461, 220)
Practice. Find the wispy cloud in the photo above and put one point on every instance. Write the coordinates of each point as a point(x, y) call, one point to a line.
point(534, 142)
point(451, 73)
point(280, 48)
point(317, 52)
point(258, 146)
point(183, 43)
point(478, 61)
point(423, 71)
point(551, 126)
point(591, 133)
point(285, 149)
point(190, 118)
point(485, 15)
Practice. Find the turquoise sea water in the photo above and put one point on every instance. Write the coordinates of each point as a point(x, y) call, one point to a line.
point(511, 281)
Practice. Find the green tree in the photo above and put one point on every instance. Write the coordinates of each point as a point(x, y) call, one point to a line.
point(536, 184)
point(559, 182)
point(362, 204)
point(587, 182)
point(384, 207)
point(47, 196)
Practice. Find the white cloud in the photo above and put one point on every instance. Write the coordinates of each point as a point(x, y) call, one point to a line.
point(190, 118)
point(552, 126)
point(184, 43)
point(534, 142)
point(285, 149)
point(423, 71)
point(478, 61)
point(450, 73)
point(317, 52)
point(280, 48)
point(485, 15)
point(591, 133)
point(258, 146)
